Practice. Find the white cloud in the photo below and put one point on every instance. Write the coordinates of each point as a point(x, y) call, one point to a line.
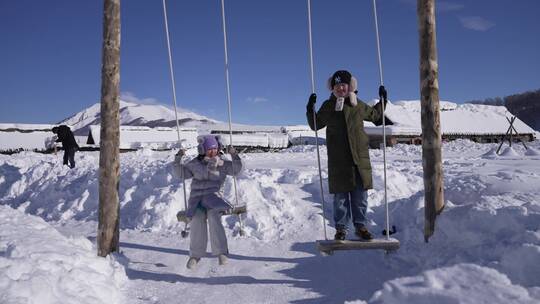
point(257, 99)
point(131, 97)
point(476, 23)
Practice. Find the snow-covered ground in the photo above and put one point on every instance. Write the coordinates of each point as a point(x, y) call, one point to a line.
point(485, 249)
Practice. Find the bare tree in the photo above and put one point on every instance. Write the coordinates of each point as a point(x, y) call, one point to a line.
point(109, 164)
point(431, 122)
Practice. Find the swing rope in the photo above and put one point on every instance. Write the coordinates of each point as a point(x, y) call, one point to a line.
point(175, 108)
point(383, 116)
point(229, 104)
point(315, 118)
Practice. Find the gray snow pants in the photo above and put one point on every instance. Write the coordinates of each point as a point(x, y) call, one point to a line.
point(199, 233)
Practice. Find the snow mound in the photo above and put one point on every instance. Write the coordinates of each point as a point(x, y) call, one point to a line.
point(270, 209)
point(532, 152)
point(150, 196)
point(452, 285)
point(509, 152)
point(491, 154)
point(39, 265)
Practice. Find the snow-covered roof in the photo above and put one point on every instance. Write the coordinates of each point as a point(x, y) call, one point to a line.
point(294, 128)
point(35, 140)
point(224, 128)
point(392, 130)
point(15, 136)
point(134, 137)
point(25, 127)
point(455, 119)
point(265, 140)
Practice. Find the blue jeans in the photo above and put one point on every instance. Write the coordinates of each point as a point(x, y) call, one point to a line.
point(351, 204)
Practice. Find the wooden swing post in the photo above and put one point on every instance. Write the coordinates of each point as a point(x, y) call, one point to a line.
point(109, 152)
point(430, 115)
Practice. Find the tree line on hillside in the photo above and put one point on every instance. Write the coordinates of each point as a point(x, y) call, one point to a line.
point(526, 106)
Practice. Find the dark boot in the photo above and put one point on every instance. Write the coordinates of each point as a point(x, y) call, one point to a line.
point(363, 233)
point(340, 234)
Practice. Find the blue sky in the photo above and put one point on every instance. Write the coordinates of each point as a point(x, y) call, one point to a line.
point(50, 59)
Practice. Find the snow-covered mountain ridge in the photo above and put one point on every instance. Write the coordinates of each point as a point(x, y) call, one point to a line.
point(133, 114)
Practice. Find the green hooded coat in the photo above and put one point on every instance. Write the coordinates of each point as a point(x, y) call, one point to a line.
point(346, 141)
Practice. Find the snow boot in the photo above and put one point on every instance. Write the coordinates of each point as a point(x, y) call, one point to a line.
point(363, 233)
point(192, 262)
point(340, 234)
point(222, 259)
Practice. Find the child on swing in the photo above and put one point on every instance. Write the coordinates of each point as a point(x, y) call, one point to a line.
point(205, 204)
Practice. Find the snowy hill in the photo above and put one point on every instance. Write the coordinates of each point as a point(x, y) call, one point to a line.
point(133, 114)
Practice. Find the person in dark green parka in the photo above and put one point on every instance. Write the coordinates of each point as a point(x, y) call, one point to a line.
point(349, 167)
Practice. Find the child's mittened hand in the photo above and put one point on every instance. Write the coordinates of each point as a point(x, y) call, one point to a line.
point(214, 163)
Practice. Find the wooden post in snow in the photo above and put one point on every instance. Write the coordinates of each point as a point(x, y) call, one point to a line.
point(109, 152)
point(431, 122)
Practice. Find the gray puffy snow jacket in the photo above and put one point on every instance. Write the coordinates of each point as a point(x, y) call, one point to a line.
point(207, 181)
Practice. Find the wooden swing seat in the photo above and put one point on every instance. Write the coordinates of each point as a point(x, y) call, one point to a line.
point(181, 215)
point(237, 210)
point(329, 246)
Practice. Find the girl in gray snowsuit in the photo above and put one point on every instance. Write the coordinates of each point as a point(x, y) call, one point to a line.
point(208, 172)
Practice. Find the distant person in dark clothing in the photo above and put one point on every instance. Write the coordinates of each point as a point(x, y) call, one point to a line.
point(68, 143)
